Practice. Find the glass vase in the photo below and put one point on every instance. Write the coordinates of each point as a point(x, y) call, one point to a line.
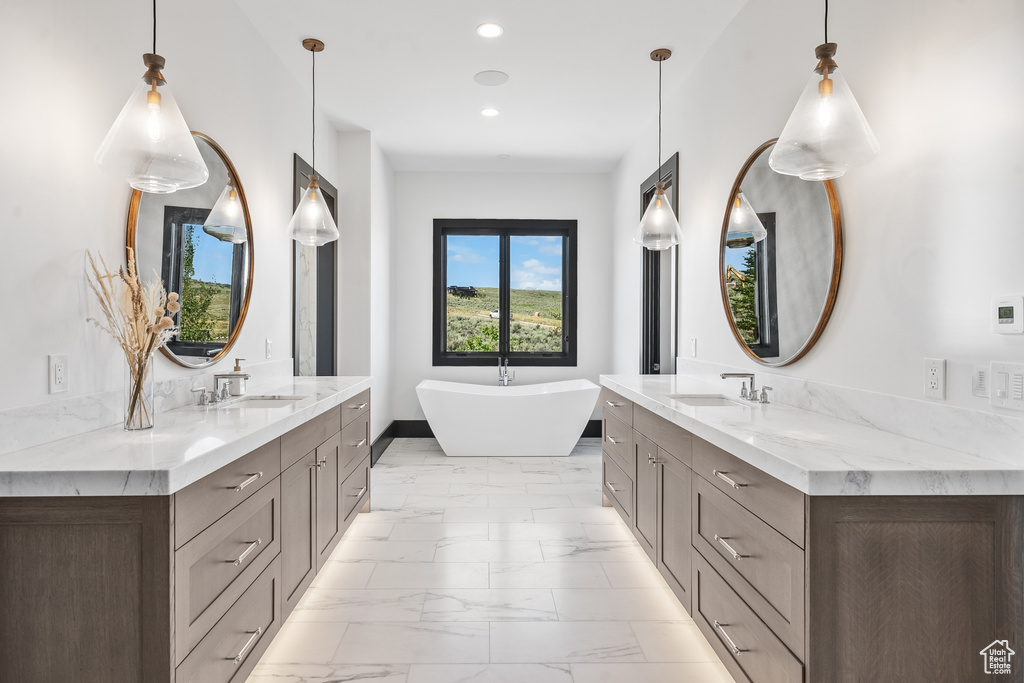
point(138, 393)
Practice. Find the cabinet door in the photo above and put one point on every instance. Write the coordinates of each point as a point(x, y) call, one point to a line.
point(328, 493)
point(674, 552)
point(646, 452)
point(298, 527)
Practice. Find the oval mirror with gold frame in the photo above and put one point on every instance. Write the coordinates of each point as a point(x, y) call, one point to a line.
point(199, 243)
point(780, 258)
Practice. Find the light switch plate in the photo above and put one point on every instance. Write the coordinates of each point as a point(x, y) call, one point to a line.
point(979, 381)
point(1007, 385)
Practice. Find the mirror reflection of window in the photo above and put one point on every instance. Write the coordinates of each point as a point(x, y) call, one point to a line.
point(209, 275)
point(750, 282)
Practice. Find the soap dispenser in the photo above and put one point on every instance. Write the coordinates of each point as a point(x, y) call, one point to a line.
point(236, 386)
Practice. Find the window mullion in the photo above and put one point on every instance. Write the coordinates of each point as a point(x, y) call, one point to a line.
point(505, 299)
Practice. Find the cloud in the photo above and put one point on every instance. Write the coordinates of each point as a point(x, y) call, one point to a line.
point(555, 249)
point(464, 255)
point(535, 274)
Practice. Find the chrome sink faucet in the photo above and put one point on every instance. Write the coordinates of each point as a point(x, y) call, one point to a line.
point(752, 396)
point(220, 391)
point(503, 376)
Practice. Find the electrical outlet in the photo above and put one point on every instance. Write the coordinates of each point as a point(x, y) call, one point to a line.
point(693, 347)
point(979, 381)
point(58, 372)
point(935, 378)
point(270, 348)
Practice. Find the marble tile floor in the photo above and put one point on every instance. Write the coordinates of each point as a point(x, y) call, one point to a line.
point(488, 570)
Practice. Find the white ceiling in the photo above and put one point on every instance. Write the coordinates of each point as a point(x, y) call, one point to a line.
point(582, 85)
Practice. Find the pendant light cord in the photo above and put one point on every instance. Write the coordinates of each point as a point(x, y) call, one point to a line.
point(826, 21)
point(659, 117)
point(154, 26)
point(314, 110)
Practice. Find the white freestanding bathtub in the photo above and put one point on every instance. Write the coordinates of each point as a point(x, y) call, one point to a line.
point(530, 420)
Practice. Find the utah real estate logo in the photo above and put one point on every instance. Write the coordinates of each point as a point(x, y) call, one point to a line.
point(997, 657)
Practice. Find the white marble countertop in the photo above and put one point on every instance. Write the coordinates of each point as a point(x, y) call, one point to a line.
point(185, 445)
point(817, 454)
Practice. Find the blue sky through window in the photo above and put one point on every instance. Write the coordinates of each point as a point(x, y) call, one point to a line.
point(212, 259)
point(536, 261)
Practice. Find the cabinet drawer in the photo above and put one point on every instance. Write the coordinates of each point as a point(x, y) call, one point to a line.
point(617, 439)
point(617, 486)
point(231, 650)
point(723, 617)
point(357, 406)
point(780, 505)
point(355, 489)
point(355, 443)
point(215, 567)
point(306, 437)
point(767, 570)
point(669, 437)
point(207, 500)
point(613, 404)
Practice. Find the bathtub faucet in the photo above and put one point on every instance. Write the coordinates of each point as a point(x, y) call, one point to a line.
point(503, 376)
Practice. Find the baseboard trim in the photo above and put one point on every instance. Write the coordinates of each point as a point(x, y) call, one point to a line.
point(420, 429)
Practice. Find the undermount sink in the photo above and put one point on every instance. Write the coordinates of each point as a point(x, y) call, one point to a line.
point(707, 401)
point(263, 402)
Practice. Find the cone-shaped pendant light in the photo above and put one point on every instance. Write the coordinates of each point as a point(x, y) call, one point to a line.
point(827, 133)
point(226, 221)
point(743, 221)
point(658, 228)
point(150, 144)
point(312, 223)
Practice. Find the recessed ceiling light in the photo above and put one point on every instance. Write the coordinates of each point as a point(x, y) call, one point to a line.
point(504, 156)
point(490, 111)
point(491, 78)
point(489, 30)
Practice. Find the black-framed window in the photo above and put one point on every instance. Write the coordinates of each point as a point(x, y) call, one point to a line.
point(504, 289)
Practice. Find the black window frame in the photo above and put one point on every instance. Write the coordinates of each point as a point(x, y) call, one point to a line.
point(505, 229)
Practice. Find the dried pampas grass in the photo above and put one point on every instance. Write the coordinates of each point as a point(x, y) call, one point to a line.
point(138, 316)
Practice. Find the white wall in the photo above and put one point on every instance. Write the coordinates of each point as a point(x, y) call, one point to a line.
point(422, 197)
point(382, 238)
point(69, 67)
point(932, 226)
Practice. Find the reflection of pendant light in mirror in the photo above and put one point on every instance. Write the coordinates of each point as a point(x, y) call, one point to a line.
point(312, 223)
point(226, 221)
point(658, 228)
point(150, 144)
point(743, 222)
point(827, 132)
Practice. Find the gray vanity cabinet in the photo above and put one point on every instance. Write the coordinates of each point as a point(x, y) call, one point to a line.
point(791, 588)
point(184, 588)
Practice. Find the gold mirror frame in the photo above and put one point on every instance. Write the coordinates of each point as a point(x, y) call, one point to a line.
point(837, 263)
point(132, 231)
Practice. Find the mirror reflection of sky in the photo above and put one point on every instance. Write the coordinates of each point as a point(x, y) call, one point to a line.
point(735, 257)
point(212, 258)
point(536, 261)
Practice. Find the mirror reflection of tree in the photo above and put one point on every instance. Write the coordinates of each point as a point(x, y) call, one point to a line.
point(196, 296)
point(743, 297)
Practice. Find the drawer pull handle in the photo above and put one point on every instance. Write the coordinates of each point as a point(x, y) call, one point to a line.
point(251, 479)
point(612, 439)
point(735, 555)
point(613, 405)
point(727, 480)
point(361, 442)
point(359, 407)
point(361, 492)
point(735, 650)
point(245, 553)
point(611, 486)
point(321, 463)
point(237, 659)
